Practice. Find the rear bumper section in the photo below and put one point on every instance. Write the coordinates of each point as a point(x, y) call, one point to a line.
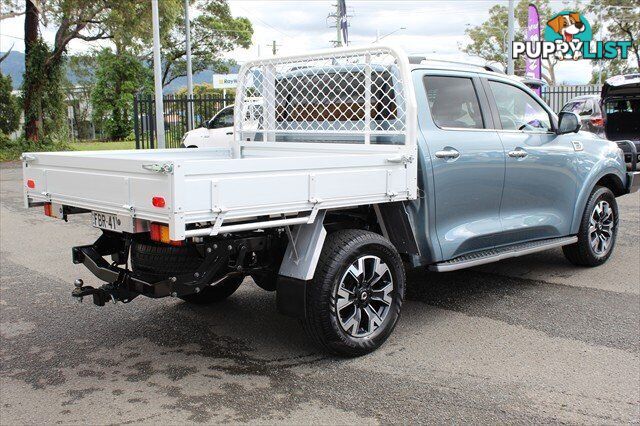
point(631, 154)
point(220, 261)
point(124, 280)
point(633, 182)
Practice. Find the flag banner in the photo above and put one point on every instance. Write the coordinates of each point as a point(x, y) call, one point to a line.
point(344, 25)
point(533, 67)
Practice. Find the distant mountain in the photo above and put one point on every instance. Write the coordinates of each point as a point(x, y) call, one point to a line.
point(199, 78)
point(13, 65)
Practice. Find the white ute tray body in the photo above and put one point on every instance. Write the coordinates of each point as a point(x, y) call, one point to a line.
point(281, 171)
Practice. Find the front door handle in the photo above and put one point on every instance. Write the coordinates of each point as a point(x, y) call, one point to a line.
point(518, 153)
point(449, 154)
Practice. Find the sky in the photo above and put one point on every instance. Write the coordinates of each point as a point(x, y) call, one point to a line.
point(431, 27)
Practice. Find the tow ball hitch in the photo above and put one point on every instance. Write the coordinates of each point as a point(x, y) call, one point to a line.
point(100, 295)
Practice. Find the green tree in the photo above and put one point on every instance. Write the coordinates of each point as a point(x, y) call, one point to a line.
point(82, 69)
point(488, 40)
point(43, 97)
point(214, 31)
point(9, 107)
point(118, 78)
point(620, 20)
point(87, 20)
point(10, 9)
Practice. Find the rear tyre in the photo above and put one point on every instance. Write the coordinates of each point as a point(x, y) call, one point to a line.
point(354, 300)
point(598, 230)
point(161, 261)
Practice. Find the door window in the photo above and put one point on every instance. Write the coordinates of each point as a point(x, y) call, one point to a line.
point(223, 119)
point(453, 102)
point(518, 110)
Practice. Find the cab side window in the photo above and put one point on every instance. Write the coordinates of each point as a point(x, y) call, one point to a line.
point(223, 119)
point(518, 110)
point(453, 102)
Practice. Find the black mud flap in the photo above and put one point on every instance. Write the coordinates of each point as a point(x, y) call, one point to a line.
point(291, 296)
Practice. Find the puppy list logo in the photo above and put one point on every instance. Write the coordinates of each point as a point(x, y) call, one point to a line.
point(568, 35)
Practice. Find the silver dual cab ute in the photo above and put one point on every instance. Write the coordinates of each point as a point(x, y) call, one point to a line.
point(359, 163)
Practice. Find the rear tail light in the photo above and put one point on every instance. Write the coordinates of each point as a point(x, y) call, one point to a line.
point(160, 234)
point(47, 209)
point(158, 201)
point(31, 183)
point(597, 121)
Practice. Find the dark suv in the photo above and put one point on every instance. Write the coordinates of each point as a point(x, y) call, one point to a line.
point(621, 106)
point(588, 109)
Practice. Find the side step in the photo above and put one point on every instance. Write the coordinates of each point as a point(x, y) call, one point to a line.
point(493, 255)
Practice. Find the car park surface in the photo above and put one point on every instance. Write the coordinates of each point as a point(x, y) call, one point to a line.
point(532, 339)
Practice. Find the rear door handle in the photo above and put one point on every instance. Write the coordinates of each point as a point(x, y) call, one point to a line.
point(518, 153)
point(449, 154)
point(229, 133)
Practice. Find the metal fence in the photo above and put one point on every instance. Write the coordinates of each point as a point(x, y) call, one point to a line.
point(557, 96)
point(176, 116)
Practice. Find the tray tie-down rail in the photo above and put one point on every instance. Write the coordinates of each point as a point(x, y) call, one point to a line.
point(122, 284)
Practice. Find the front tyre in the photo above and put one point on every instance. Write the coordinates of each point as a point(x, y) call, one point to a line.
point(598, 230)
point(354, 300)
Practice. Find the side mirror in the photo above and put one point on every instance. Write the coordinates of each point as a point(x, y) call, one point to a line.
point(568, 122)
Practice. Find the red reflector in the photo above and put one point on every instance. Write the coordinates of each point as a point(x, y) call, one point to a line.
point(157, 201)
point(155, 232)
point(47, 209)
point(31, 183)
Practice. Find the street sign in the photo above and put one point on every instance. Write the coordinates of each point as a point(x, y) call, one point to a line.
point(225, 81)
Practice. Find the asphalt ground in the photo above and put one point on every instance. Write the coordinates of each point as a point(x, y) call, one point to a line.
point(529, 340)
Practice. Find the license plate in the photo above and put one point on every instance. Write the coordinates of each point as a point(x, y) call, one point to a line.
point(108, 221)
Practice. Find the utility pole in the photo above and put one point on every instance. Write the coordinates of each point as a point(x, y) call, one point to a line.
point(157, 76)
point(511, 23)
point(274, 48)
point(187, 28)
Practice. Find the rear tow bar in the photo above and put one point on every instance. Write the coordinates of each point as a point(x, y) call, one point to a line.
point(100, 295)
